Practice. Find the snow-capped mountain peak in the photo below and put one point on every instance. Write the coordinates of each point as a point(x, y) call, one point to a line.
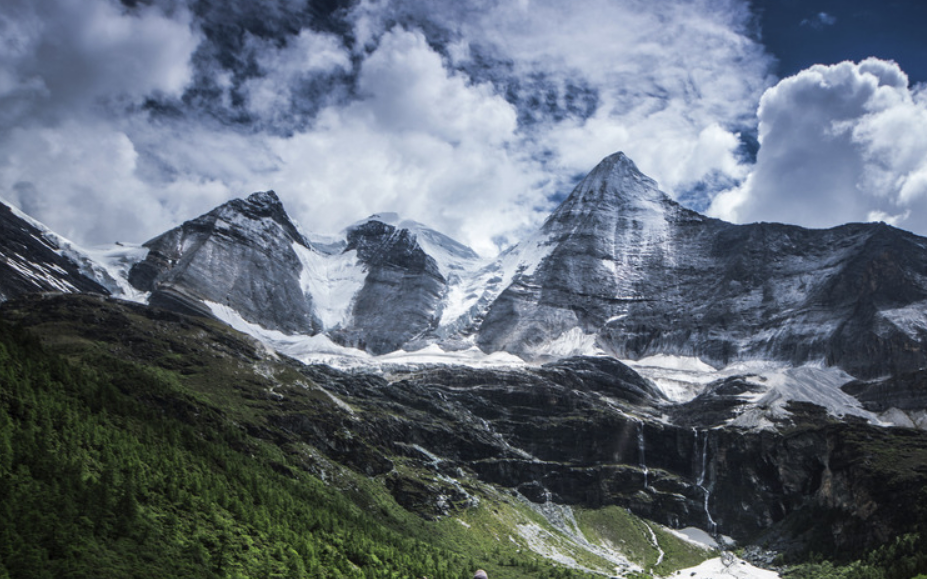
point(452, 257)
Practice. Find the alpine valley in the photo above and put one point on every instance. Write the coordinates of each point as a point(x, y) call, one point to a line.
point(634, 390)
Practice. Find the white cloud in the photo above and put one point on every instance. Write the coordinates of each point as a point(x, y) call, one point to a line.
point(59, 57)
point(80, 178)
point(839, 143)
point(670, 84)
point(421, 141)
point(307, 54)
point(673, 80)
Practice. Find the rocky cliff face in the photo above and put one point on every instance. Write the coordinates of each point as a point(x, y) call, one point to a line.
point(637, 274)
point(241, 255)
point(31, 261)
point(402, 291)
point(905, 392)
point(376, 290)
point(618, 268)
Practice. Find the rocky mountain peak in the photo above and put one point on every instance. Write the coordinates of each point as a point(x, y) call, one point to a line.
point(266, 199)
point(614, 182)
point(614, 196)
point(258, 206)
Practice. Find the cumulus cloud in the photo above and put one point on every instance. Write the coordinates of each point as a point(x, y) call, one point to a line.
point(665, 80)
point(468, 116)
point(422, 141)
point(58, 57)
point(68, 71)
point(80, 178)
point(839, 143)
point(287, 72)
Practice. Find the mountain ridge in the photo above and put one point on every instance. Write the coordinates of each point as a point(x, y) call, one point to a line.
point(766, 444)
point(617, 269)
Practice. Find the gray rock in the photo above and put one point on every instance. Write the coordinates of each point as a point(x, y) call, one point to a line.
point(240, 255)
point(32, 262)
point(627, 265)
point(401, 294)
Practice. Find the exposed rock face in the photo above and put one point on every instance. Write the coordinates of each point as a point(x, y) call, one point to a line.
point(641, 275)
point(400, 297)
point(906, 392)
point(249, 256)
point(31, 262)
point(582, 431)
point(618, 266)
point(240, 254)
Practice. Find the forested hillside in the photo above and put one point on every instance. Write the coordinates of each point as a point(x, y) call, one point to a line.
point(107, 469)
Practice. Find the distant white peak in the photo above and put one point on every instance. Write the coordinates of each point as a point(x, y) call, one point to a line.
point(451, 256)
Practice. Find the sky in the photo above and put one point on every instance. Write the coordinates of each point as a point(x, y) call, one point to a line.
point(120, 120)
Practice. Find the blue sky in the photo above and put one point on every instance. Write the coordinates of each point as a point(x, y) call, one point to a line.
point(120, 120)
point(801, 33)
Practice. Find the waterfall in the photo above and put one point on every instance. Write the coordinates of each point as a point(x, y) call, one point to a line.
point(640, 447)
point(700, 481)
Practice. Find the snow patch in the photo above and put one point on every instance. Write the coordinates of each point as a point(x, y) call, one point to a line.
point(319, 349)
point(332, 281)
point(39, 273)
point(696, 536)
point(911, 319)
point(905, 418)
point(109, 266)
point(433, 354)
point(474, 294)
point(683, 378)
point(680, 378)
point(780, 384)
point(573, 342)
point(717, 567)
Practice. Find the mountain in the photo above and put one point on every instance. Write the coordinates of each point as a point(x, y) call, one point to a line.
point(622, 266)
point(248, 256)
point(618, 269)
point(34, 260)
point(714, 379)
point(242, 253)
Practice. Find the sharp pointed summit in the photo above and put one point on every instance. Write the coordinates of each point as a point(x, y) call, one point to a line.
point(614, 184)
point(622, 269)
point(242, 255)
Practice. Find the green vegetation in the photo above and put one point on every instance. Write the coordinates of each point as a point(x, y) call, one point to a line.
point(616, 527)
point(111, 467)
point(94, 481)
point(903, 558)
